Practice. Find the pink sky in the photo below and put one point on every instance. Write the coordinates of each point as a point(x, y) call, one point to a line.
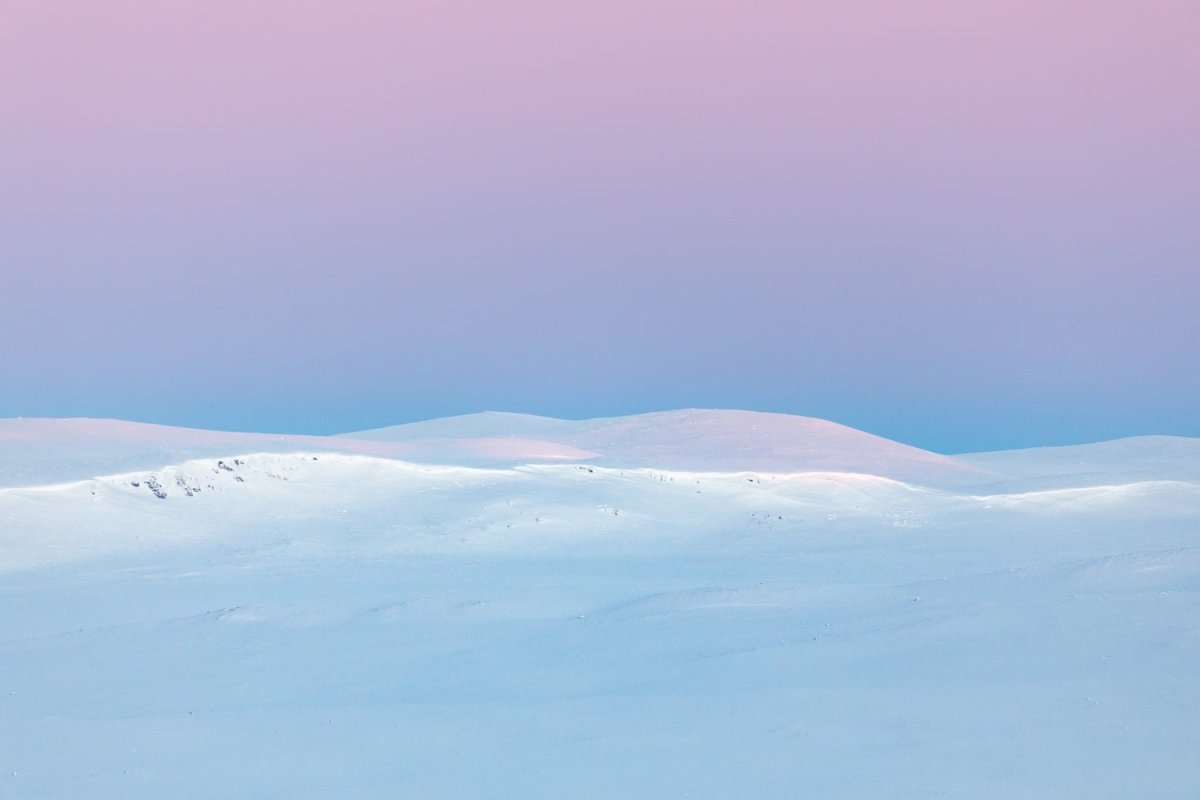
point(942, 185)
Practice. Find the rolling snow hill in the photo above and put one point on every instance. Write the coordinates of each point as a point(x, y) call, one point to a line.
point(1138, 458)
point(694, 439)
point(34, 451)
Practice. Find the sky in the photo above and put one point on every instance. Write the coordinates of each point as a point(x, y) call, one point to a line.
point(961, 224)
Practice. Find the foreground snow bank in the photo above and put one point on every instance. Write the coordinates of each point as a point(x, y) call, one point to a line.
point(308, 623)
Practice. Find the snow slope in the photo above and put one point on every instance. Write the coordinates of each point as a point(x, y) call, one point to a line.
point(1138, 458)
point(699, 439)
point(34, 451)
point(245, 616)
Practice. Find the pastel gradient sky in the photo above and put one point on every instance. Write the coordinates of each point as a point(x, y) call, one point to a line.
point(961, 224)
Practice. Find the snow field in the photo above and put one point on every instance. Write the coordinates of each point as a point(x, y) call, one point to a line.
point(313, 623)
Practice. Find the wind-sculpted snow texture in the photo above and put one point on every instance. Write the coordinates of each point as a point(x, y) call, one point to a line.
point(691, 604)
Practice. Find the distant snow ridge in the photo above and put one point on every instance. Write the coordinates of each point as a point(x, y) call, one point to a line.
point(702, 482)
point(38, 451)
point(694, 439)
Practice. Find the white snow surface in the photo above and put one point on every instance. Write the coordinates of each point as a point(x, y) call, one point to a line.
point(694, 439)
point(707, 604)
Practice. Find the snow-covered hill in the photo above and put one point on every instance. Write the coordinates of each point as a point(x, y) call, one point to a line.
point(702, 603)
point(694, 439)
point(34, 451)
point(1138, 458)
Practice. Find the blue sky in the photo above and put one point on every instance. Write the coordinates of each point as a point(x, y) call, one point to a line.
point(961, 227)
